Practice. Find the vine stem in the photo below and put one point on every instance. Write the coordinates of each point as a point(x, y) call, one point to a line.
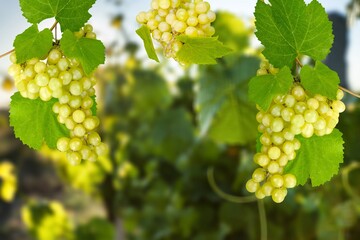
point(222, 194)
point(9, 52)
point(340, 87)
point(237, 199)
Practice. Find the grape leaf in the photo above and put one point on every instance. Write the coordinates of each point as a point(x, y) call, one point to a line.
point(144, 33)
point(32, 43)
point(34, 122)
point(71, 14)
point(288, 28)
point(318, 158)
point(94, 106)
point(224, 110)
point(201, 50)
point(320, 80)
point(90, 52)
point(263, 89)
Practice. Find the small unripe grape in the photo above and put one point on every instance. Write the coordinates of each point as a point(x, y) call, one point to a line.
point(283, 160)
point(331, 122)
point(54, 56)
point(267, 120)
point(166, 37)
point(288, 147)
point(170, 18)
point(320, 98)
point(13, 57)
point(78, 116)
point(94, 139)
point(152, 24)
point(289, 180)
point(267, 188)
point(298, 120)
point(179, 26)
point(79, 130)
point(274, 153)
point(288, 135)
point(52, 71)
point(265, 139)
point(297, 144)
point(65, 77)
point(338, 106)
point(259, 194)
point(292, 156)
point(75, 102)
point(74, 158)
point(102, 149)
point(320, 124)
point(311, 116)
point(261, 159)
point(278, 195)
point(63, 144)
point(339, 94)
point(277, 138)
point(298, 92)
point(290, 101)
point(300, 107)
point(42, 79)
point(252, 186)
point(202, 7)
point(211, 16)
point(75, 88)
point(313, 103)
point(192, 21)
point(55, 84)
point(307, 130)
point(277, 125)
point(261, 72)
point(273, 167)
point(203, 18)
point(275, 110)
point(141, 17)
point(182, 14)
point(287, 114)
point(191, 32)
point(164, 27)
point(45, 94)
point(164, 4)
point(176, 46)
point(259, 175)
point(75, 144)
point(32, 87)
point(277, 181)
point(56, 107)
point(69, 123)
point(64, 111)
point(323, 108)
point(40, 67)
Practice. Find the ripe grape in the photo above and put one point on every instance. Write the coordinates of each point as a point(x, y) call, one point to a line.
point(167, 19)
point(63, 78)
point(289, 115)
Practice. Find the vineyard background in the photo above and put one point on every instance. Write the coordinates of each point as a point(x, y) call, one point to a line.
point(154, 183)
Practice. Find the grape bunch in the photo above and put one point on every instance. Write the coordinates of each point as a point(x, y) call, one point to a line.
point(295, 113)
point(168, 19)
point(57, 76)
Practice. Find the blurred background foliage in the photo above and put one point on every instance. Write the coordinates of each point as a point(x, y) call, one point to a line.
point(164, 137)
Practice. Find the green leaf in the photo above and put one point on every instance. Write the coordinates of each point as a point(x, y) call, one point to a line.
point(263, 89)
point(144, 33)
point(90, 52)
point(201, 50)
point(34, 122)
point(288, 28)
point(32, 43)
point(318, 158)
point(94, 106)
point(224, 110)
point(320, 80)
point(71, 14)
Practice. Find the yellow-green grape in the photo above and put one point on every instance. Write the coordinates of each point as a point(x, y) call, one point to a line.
point(169, 18)
point(63, 78)
point(289, 115)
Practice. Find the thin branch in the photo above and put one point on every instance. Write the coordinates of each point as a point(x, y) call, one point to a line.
point(54, 25)
point(349, 92)
point(226, 196)
point(298, 62)
point(9, 52)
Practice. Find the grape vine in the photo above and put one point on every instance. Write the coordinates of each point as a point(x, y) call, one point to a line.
point(56, 99)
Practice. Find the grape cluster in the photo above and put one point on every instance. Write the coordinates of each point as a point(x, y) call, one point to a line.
point(63, 78)
point(170, 18)
point(288, 116)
